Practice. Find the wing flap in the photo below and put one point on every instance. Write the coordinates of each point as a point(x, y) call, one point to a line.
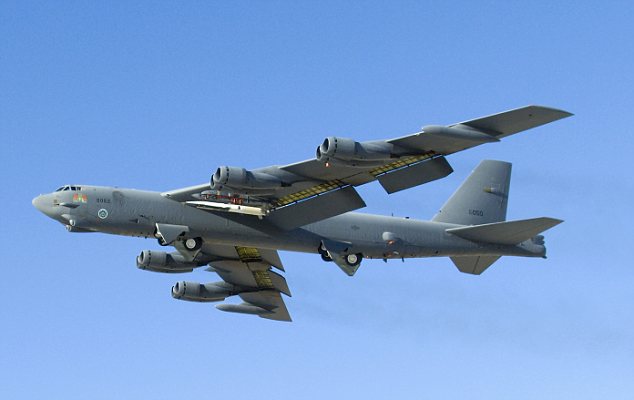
point(316, 208)
point(255, 275)
point(252, 254)
point(415, 175)
point(318, 171)
point(269, 300)
point(248, 273)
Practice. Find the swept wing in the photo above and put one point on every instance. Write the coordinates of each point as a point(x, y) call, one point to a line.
point(245, 272)
point(297, 194)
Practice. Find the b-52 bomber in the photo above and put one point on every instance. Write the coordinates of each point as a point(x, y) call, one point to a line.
point(236, 223)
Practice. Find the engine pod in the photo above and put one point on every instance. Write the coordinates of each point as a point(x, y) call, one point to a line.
point(244, 180)
point(344, 151)
point(160, 261)
point(202, 293)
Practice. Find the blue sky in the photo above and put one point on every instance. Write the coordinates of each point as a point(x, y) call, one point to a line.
point(156, 95)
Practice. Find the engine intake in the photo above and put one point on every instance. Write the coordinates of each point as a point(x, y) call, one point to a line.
point(160, 261)
point(244, 180)
point(209, 292)
point(343, 151)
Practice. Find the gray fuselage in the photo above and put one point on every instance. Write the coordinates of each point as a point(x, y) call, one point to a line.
point(133, 212)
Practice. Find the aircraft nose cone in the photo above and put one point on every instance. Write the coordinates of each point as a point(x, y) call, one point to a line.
point(44, 205)
point(38, 203)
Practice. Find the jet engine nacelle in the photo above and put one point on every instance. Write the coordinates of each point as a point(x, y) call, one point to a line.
point(160, 261)
point(343, 151)
point(194, 291)
point(244, 180)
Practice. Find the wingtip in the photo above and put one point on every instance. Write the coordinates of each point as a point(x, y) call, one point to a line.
point(553, 221)
point(563, 113)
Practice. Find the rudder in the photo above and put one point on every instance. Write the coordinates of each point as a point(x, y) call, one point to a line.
point(482, 198)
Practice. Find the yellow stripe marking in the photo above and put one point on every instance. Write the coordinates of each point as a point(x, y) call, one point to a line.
point(248, 254)
point(336, 183)
point(263, 279)
point(403, 162)
point(310, 192)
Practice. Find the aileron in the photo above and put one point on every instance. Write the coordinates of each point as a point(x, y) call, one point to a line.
point(513, 121)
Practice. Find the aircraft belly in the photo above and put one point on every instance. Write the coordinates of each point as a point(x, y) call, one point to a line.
point(220, 230)
point(304, 246)
point(366, 233)
point(413, 238)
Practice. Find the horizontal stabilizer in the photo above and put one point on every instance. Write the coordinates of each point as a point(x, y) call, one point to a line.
point(509, 232)
point(474, 264)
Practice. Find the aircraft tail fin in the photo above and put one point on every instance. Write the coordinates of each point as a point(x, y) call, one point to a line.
point(482, 198)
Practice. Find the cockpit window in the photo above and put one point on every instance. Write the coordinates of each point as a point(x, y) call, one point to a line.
point(68, 187)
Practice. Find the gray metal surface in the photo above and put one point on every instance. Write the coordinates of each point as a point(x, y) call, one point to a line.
point(317, 208)
point(306, 210)
point(482, 198)
point(509, 232)
point(474, 265)
point(415, 175)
